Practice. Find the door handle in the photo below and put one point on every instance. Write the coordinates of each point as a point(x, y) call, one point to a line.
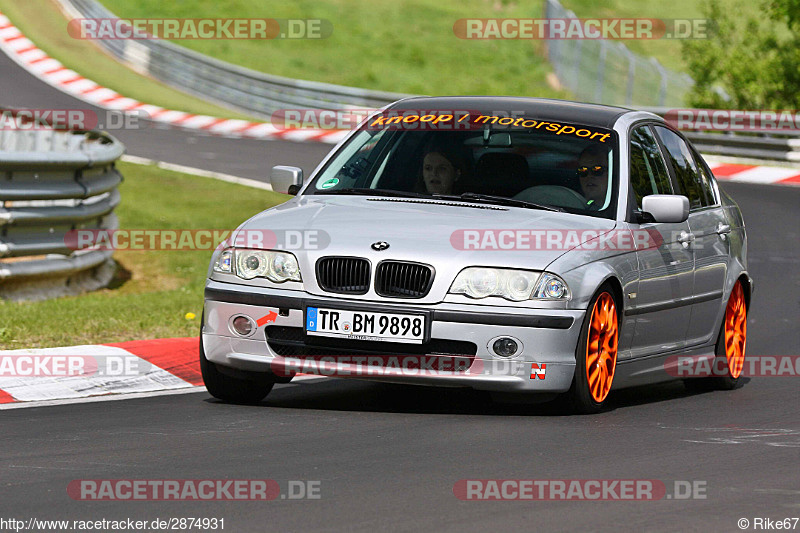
point(685, 238)
point(723, 229)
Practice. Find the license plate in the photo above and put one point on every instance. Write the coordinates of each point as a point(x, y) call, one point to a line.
point(365, 325)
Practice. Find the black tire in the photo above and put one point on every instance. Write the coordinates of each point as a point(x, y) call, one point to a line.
point(707, 384)
point(579, 398)
point(722, 381)
point(726, 382)
point(231, 389)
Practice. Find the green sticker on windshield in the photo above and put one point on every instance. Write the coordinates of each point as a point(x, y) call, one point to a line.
point(327, 184)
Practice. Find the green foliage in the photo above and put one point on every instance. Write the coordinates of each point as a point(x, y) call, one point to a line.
point(786, 10)
point(754, 61)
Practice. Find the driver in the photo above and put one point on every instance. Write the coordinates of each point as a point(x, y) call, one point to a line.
point(593, 175)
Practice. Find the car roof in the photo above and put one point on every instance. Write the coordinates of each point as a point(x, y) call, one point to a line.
point(543, 108)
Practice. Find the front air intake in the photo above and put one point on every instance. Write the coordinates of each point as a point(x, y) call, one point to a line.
point(343, 275)
point(401, 279)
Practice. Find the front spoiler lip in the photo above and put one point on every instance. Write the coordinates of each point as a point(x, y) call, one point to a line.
point(538, 320)
point(281, 366)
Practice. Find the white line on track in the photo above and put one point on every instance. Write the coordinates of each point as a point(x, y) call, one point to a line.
point(197, 172)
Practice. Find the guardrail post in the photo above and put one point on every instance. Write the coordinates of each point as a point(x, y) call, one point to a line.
point(601, 72)
point(631, 75)
point(662, 91)
point(576, 67)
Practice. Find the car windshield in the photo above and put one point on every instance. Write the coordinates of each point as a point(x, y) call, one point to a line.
point(513, 160)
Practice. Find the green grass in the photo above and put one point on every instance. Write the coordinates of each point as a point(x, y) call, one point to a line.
point(42, 22)
point(163, 285)
point(405, 46)
point(409, 46)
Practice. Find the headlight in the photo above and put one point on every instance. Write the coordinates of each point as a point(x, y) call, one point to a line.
point(551, 287)
point(475, 282)
point(284, 267)
point(224, 262)
point(249, 264)
point(252, 264)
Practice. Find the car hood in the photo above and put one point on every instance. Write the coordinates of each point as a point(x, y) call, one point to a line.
point(425, 231)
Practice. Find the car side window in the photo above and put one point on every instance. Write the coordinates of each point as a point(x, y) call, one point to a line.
point(706, 179)
point(686, 171)
point(648, 171)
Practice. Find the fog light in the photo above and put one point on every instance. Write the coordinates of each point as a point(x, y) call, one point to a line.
point(242, 325)
point(505, 347)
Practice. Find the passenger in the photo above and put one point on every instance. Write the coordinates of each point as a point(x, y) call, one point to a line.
point(593, 175)
point(441, 169)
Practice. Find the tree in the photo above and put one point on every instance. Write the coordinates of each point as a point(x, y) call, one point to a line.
point(751, 63)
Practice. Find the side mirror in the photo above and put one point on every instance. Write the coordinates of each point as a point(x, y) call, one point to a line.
point(668, 208)
point(286, 180)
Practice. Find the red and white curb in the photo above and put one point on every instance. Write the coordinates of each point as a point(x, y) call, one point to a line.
point(38, 375)
point(754, 173)
point(116, 371)
point(26, 54)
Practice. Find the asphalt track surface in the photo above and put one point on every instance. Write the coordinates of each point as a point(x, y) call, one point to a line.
point(387, 456)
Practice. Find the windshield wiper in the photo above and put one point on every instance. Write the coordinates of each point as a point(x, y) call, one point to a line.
point(373, 192)
point(466, 197)
point(501, 200)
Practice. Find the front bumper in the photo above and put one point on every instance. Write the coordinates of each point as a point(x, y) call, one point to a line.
point(457, 354)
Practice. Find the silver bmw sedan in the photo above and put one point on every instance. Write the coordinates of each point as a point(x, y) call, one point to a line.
point(512, 245)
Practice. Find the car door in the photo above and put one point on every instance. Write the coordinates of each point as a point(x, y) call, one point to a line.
point(661, 303)
point(709, 230)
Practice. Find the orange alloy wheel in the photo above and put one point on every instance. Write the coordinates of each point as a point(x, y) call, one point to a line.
point(601, 347)
point(735, 330)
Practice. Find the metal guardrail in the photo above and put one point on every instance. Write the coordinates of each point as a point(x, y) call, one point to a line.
point(52, 182)
point(772, 148)
point(783, 145)
point(255, 92)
